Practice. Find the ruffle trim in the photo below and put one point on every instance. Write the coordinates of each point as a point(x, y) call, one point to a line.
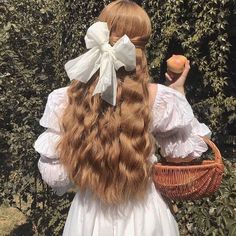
point(54, 175)
point(186, 142)
point(194, 146)
point(171, 110)
point(200, 128)
point(56, 103)
point(46, 144)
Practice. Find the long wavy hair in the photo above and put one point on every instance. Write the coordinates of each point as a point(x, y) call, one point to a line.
point(106, 149)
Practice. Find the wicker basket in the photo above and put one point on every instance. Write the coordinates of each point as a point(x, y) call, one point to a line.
point(192, 181)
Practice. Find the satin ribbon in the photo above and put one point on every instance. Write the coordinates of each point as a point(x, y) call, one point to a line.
point(104, 57)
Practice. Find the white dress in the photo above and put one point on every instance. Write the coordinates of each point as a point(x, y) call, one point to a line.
point(177, 131)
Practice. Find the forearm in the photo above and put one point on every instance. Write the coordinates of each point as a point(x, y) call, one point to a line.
point(177, 83)
point(178, 88)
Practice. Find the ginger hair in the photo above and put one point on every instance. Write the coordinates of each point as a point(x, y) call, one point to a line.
point(106, 149)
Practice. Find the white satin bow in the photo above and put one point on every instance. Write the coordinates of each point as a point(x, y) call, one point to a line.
point(102, 55)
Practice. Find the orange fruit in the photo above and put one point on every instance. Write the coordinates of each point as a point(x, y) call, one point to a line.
point(176, 63)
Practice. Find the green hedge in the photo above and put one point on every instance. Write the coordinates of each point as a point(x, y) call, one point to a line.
point(38, 37)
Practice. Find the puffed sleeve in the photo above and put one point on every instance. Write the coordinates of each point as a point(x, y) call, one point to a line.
point(175, 128)
point(52, 172)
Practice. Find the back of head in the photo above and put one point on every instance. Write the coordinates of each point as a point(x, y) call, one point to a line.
point(106, 149)
point(126, 17)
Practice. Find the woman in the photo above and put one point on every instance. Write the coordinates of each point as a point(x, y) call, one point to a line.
point(101, 131)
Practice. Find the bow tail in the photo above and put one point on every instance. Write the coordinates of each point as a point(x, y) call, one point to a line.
point(107, 83)
point(109, 95)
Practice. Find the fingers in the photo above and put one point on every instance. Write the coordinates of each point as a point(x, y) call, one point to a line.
point(186, 69)
point(187, 64)
point(168, 77)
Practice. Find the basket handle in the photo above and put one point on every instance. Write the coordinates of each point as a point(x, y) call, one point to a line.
point(214, 148)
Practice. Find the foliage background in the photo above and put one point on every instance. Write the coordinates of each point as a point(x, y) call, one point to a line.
point(38, 37)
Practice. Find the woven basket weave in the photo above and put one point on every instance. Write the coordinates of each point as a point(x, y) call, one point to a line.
point(192, 181)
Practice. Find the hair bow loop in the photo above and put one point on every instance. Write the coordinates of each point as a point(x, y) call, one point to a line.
point(104, 57)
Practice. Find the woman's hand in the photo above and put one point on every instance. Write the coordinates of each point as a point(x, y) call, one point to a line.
point(178, 83)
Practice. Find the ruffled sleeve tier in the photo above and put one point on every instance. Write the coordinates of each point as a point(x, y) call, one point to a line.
point(177, 132)
point(175, 128)
point(52, 172)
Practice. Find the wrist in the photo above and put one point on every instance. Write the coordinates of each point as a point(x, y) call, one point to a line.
point(178, 88)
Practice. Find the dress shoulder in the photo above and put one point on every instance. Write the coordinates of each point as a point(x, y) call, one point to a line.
point(171, 110)
point(56, 103)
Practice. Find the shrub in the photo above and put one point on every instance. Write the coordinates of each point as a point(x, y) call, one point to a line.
point(38, 37)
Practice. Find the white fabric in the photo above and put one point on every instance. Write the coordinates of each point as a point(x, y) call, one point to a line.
point(88, 217)
point(56, 103)
point(176, 130)
point(54, 174)
point(102, 55)
point(50, 138)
